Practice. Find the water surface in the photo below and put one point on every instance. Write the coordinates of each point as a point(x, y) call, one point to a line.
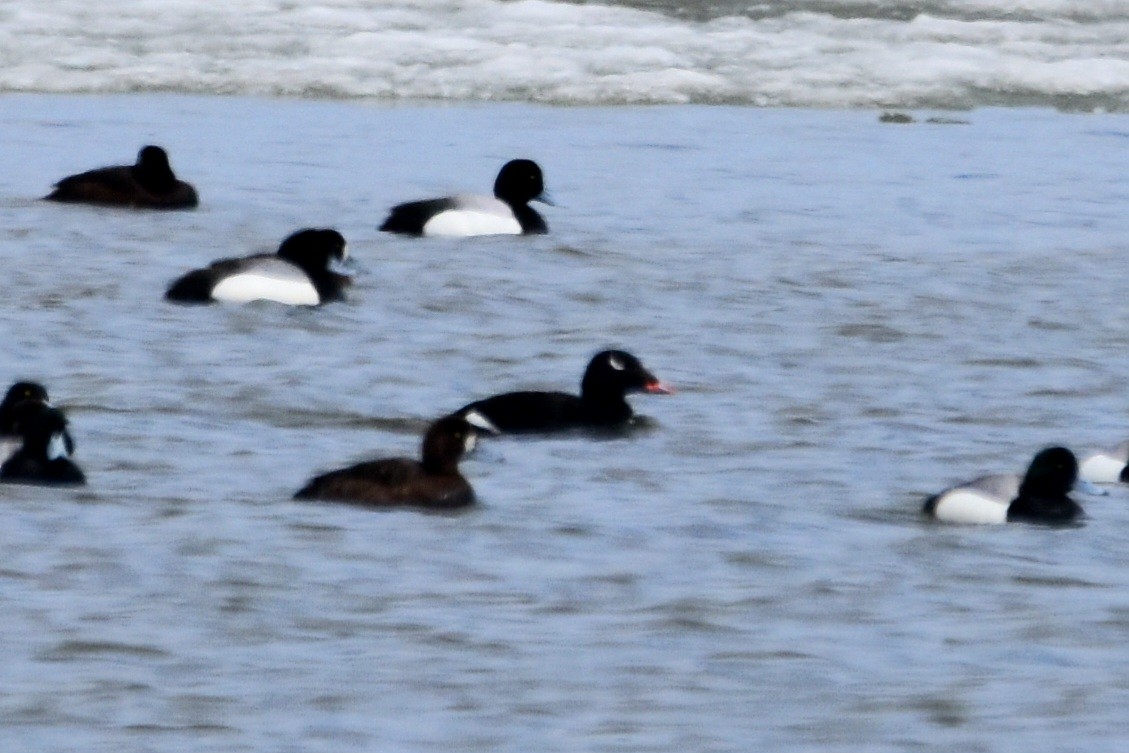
point(855, 314)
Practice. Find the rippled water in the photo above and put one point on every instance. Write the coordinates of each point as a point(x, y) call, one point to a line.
point(855, 314)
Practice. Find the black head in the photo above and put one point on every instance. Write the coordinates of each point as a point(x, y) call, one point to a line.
point(1052, 473)
point(313, 249)
point(153, 170)
point(519, 182)
point(153, 158)
point(619, 372)
point(43, 429)
point(18, 393)
point(446, 442)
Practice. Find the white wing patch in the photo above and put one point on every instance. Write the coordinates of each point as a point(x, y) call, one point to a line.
point(268, 280)
point(476, 419)
point(473, 215)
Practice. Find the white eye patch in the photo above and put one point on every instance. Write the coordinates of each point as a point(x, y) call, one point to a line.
point(616, 364)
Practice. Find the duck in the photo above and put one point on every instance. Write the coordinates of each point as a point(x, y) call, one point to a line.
point(149, 183)
point(507, 212)
point(10, 439)
point(432, 483)
point(601, 404)
point(1107, 466)
point(45, 449)
point(298, 274)
point(1041, 496)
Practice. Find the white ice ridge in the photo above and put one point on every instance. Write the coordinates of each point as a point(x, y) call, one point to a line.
point(965, 54)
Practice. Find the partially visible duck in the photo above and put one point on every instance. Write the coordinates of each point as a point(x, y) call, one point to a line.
point(507, 212)
point(148, 184)
point(1108, 466)
point(610, 375)
point(44, 454)
point(1040, 497)
point(297, 274)
point(10, 440)
point(433, 483)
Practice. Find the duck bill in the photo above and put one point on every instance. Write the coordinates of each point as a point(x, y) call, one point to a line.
point(655, 387)
point(343, 265)
point(1082, 486)
point(545, 198)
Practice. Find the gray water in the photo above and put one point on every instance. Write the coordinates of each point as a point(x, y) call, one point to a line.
point(855, 314)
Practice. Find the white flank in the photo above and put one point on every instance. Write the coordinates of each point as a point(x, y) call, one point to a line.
point(268, 280)
point(1101, 469)
point(8, 447)
point(972, 506)
point(475, 215)
point(57, 447)
point(476, 419)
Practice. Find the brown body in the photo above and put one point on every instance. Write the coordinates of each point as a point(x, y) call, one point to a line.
point(147, 184)
point(433, 483)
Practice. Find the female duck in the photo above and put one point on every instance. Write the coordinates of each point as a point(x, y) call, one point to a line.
point(297, 274)
point(1041, 496)
point(44, 455)
point(610, 375)
point(149, 184)
point(433, 484)
point(506, 213)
